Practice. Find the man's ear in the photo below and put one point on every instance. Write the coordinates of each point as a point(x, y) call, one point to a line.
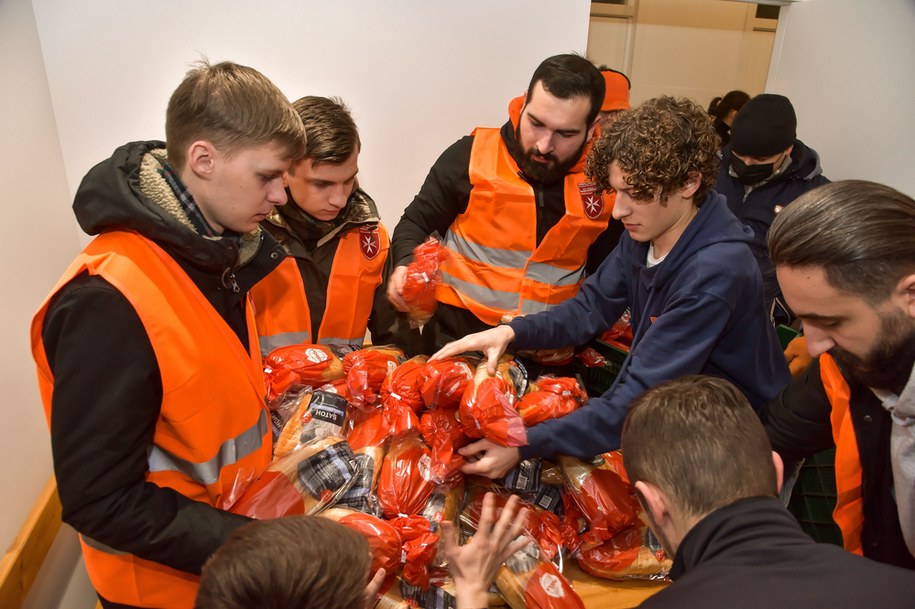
point(201, 158)
point(905, 290)
point(693, 183)
point(779, 471)
point(654, 501)
point(593, 127)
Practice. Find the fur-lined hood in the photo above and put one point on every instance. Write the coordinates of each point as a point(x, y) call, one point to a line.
point(127, 191)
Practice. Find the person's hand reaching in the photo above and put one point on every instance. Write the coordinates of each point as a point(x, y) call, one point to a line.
point(474, 565)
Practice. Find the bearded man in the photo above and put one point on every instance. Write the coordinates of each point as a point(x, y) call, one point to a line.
point(845, 258)
point(522, 225)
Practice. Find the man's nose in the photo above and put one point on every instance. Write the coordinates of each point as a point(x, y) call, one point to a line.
point(277, 193)
point(545, 144)
point(338, 196)
point(818, 341)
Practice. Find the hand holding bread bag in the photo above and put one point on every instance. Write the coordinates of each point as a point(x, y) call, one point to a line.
point(488, 406)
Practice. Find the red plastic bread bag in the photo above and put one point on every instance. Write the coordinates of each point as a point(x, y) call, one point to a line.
point(406, 480)
point(602, 494)
point(488, 408)
point(551, 398)
point(421, 281)
point(385, 543)
point(443, 382)
point(366, 369)
point(296, 366)
point(444, 434)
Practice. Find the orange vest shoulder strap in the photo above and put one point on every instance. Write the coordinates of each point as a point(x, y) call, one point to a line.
point(848, 514)
point(356, 273)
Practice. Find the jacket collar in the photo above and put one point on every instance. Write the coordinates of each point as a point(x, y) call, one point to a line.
point(734, 531)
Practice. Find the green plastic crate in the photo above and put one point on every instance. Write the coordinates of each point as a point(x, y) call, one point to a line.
point(786, 334)
point(814, 498)
point(597, 380)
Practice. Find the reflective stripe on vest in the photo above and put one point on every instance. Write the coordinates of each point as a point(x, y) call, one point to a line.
point(494, 265)
point(849, 512)
point(206, 472)
point(281, 307)
point(217, 430)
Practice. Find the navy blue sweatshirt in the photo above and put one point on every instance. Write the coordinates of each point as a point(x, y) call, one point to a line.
point(700, 311)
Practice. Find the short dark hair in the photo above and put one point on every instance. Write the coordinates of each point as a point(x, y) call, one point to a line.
point(232, 106)
point(697, 439)
point(862, 234)
point(732, 100)
point(331, 130)
point(660, 146)
point(570, 75)
point(297, 562)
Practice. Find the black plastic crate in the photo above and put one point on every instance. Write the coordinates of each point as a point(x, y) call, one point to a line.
point(814, 498)
point(597, 380)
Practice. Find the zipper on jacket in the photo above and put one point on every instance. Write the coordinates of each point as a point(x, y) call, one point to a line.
point(228, 280)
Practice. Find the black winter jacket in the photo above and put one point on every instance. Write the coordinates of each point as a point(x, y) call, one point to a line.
point(752, 554)
point(108, 390)
point(797, 422)
point(757, 208)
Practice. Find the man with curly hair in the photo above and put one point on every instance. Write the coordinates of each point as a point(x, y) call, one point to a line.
point(683, 268)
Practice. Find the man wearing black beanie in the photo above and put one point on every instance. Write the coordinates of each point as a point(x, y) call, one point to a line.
point(764, 168)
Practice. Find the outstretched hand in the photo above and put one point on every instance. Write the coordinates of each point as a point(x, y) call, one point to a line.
point(474, 565)
point(492, 343)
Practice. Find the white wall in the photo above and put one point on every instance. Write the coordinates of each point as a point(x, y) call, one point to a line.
point(849, 69)
point(417, 75)
point(82, 77)
point(39, 240)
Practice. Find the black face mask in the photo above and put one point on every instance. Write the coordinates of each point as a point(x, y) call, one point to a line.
point(751, 174)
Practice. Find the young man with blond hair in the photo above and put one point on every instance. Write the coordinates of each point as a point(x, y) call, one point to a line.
point(146, 349)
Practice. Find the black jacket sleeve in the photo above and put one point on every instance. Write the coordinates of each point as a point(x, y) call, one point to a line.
point(797, 419)
point(441, 199)
point(106, 402)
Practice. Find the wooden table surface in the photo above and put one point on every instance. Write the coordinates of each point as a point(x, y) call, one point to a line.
point(599, 593)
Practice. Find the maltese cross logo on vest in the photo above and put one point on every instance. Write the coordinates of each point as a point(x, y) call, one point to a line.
point(369, 241)
point(591, 200)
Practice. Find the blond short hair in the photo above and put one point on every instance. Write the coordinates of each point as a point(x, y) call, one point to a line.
point(232, 106)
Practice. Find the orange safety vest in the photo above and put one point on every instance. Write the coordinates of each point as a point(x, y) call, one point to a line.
point(281, 308)
point(208, 435)
point(494, 264)
point(849, 511)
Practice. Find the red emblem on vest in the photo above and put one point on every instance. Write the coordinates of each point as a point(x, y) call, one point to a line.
point(369, 241)
point(591, 200)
